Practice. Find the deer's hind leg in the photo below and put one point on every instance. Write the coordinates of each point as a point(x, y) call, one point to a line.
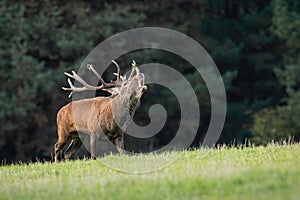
point(58, 147)
point(119, 143)
point(73, 147)
point(62, 141)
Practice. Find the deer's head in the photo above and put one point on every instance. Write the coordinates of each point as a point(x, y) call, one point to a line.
point(134, 86)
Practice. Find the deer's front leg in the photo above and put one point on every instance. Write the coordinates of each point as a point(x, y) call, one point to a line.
point(93, 142)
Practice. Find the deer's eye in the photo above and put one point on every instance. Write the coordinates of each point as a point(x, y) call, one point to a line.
point(125, 84)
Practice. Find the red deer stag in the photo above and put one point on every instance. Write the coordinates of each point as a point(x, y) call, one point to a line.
point(99, 116)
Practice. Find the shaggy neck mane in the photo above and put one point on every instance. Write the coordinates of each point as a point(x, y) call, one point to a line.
point(122, 105)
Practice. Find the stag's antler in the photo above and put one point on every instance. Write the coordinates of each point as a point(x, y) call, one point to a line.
point(109, 87)
point(86, 87)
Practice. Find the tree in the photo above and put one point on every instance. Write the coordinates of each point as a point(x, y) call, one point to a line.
point(285, 116)
point(247, 40)
point(241, 42)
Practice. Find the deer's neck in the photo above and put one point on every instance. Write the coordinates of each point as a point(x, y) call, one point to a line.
point(124, 108)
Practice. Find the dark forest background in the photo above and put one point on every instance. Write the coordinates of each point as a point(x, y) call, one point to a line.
point(254, 43)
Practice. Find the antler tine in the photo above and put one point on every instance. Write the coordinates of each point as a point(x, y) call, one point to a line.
point(71, 87)
point(118, 70)
point(79, 79)
point(133, 65)
point(91, 68)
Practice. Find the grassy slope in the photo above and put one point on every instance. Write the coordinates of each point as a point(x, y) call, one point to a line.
point(271, 172)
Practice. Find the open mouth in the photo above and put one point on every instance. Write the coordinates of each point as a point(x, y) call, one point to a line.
point(144, 88)
point(141, 91)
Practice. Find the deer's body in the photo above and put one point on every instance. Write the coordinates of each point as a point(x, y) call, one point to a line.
point(98, 117)
point(86, 111)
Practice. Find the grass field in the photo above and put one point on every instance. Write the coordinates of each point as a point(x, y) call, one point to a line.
point(271, 172)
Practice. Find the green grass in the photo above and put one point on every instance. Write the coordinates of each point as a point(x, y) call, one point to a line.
point(271, 172)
